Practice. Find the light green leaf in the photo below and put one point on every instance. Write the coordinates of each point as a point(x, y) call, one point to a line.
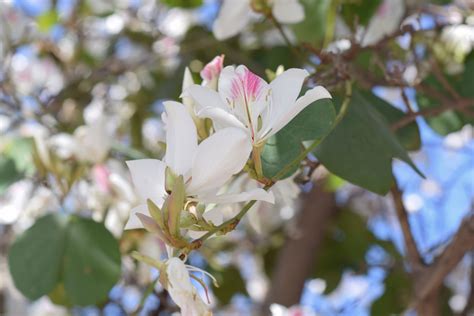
point(361, 148)
point(8, 173)
point(47, 20)
point(313, 28)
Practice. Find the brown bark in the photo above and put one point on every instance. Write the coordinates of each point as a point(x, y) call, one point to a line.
point(297, 257)
point(429, 306)
point(432, 277)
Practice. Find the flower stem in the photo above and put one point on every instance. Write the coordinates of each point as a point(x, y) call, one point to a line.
point(257, 160)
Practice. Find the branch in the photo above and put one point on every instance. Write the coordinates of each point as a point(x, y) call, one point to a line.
point(414, 257)
point(433, 276)
point(410, 117)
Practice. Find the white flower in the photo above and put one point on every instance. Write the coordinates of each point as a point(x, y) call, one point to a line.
point(234, 15)
point(89, 143)
point(205, 167)
point(182, 292)
point(247, 102)
point(385, 21)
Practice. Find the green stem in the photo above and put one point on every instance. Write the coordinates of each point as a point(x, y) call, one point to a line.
point(230, 224)
point(257, 160)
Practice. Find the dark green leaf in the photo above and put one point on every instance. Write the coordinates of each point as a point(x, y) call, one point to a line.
point(409, 136)
point(363, 10)
point(35, 257)
point(449, 121)
point(8, 173)
point(230, 283)
point(73, 252)
point(91, 262)
point(361, 148)
point(314, 122)
point(345, 245)
point(396, 295)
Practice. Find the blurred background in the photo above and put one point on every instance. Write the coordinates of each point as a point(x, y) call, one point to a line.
point(85, 81)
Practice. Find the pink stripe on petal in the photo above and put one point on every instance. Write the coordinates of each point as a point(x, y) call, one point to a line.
point(247, 86)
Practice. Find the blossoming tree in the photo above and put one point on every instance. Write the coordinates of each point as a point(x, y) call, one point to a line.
point(235, 157)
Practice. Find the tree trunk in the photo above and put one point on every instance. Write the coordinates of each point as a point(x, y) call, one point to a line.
point(297, 258)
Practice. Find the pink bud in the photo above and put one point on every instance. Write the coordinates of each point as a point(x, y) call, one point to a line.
point(213, 69)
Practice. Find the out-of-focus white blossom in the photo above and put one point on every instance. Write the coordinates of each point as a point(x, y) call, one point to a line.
point(234, 15)
point(31, 74)
point(385, 21)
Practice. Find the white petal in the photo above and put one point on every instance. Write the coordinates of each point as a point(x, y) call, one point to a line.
point(247, 92)
point(285, 89)
point(182, 292)
point(288, 11)
point(220, 156)
point(148, 176)
point(133, 221)
point(204, 97)
point(181, 138)
point(255, 194)
point(309, 97)
point(232, 18)
point(187, 82)
point(220, 118)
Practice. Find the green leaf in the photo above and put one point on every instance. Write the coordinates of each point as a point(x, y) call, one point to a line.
point(230, 283)
point(20, 150)
point(449, 121)
point(91, 262)
point(361, 148)
point(47, 20)
point(35, 257)
point(314, 122)
point(313, 28)
point(396, 295)
point(8, 173)
point(183, 3)
point(408, 136)
point(344, 247)
point(65, 251)
point(363, 10)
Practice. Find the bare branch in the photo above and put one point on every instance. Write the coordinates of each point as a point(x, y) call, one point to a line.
point(453, 105)
point(414, 257)
point(433, 276)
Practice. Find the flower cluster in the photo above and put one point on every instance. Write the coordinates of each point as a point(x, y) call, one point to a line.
point(209, 139)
